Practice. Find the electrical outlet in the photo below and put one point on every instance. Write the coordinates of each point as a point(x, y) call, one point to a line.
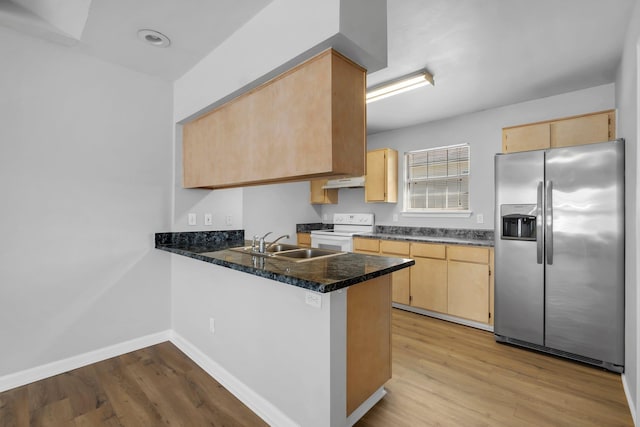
point(480, 218)
point(208, 219)
point(395, 217)
point(313, 299)
point(212, 325)
point(228, 220)
point(192, 218)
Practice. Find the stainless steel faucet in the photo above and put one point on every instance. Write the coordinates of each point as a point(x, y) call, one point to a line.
point(284, 236)
point(261, 247)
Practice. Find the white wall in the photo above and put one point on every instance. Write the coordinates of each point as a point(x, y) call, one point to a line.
point(278, 208)
point(290, 355)
point(225, 205)
point(281, 35)
point(85, 181)
point(627, 97)
point(483, 132)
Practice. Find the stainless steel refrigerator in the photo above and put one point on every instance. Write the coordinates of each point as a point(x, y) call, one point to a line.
point(559, 252)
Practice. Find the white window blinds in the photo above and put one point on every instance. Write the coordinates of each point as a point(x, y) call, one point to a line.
point(437, 179)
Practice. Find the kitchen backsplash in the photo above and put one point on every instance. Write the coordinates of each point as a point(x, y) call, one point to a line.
point(457, 233)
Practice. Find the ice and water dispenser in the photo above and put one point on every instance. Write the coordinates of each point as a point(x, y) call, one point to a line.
point(518, 222)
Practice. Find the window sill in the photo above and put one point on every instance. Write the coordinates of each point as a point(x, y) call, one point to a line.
point(441, 214)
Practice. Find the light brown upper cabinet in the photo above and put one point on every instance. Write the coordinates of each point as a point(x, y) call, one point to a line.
point(381, 183)
point(309, 122)
point(320, 196)
point(575, 130)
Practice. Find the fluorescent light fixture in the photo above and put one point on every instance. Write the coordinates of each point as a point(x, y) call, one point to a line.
point(403, 84)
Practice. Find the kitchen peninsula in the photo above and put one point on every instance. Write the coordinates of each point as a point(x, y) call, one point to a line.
point(310, 343)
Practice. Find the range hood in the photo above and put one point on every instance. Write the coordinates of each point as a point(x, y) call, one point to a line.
point(352, 182)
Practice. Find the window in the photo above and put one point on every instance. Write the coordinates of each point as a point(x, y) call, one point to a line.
point(437, 179)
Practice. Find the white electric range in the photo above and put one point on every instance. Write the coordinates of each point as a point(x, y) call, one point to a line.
point(345, 225)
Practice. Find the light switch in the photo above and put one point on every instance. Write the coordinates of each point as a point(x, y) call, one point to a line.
point(208, 219)
point(192, 218)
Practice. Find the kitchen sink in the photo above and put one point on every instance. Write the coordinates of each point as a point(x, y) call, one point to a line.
point(290, 252)
point(306, 254)
point(282, 247)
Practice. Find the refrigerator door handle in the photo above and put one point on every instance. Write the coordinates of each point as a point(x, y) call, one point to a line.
point(549, 222)
point(539, 223)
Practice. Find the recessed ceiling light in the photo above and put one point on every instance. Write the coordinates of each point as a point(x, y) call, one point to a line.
point(154, 38)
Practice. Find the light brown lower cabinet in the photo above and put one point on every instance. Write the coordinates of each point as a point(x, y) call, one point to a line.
point(429, 284)
point(400, 280)
point(304, 240)
point(455, 280)
point(468, 290)
point(368, 339)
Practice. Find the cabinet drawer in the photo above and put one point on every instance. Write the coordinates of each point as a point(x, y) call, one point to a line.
point(366, 245)
point(392, 247)
point(428, 250)
point(468, 254)
point(304, 239)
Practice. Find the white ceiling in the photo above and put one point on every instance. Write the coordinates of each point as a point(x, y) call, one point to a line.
point(489, 53)
point(482, 53)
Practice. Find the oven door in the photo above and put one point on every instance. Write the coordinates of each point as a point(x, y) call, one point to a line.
point(333, 242)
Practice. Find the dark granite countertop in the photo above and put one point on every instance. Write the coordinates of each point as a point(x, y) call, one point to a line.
point(307, 228)
point(428, 239)
point(319, 275)
point(449, 236)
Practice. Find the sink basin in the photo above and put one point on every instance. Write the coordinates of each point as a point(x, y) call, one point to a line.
point(290, 252)
point(278, 247)
point(282, 247)
point(307, 254)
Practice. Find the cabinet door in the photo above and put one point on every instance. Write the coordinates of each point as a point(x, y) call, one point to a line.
point(400, 280)
point(525, 138)
point(321, 196)
point(375, 184)
point(468, 290)
point(401, 286)
point(308, 121)
point(382, 176)
point(580, 130)
point(429, 284)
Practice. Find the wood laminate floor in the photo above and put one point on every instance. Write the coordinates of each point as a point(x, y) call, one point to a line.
point(446, 374)
point(443, 375)
point(155, 386)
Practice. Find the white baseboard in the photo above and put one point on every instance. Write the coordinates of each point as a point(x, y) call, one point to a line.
point(263, 408)
point(38, 373)
point(632, 407)
point(366, 406)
